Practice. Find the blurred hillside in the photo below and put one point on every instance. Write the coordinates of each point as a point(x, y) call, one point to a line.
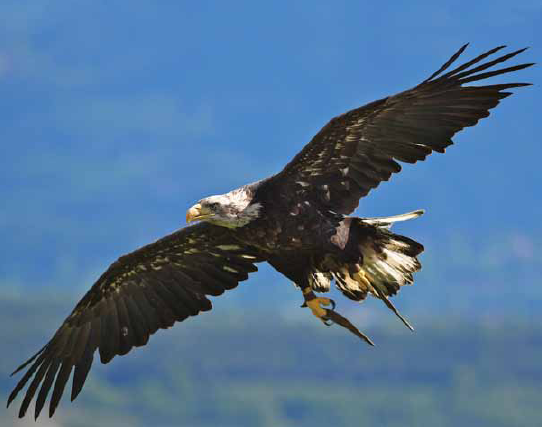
point(233, 368)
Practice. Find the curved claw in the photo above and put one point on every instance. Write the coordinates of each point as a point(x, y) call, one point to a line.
point(326, 320)
point(316, 305)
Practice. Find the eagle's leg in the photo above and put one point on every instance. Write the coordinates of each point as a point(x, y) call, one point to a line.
point(315, 304)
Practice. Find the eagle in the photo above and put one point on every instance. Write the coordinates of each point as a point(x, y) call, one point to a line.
point(297, 220)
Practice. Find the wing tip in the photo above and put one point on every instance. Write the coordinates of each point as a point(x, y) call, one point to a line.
point(469, 73)
point(11, 398)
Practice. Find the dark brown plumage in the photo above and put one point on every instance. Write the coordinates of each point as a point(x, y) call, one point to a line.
point(406, 127)
point(152, 288)
point(295, 220)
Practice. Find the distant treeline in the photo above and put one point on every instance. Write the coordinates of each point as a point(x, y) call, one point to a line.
point(228, 368)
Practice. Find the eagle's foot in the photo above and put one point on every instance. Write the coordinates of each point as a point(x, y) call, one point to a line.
point(316, 304)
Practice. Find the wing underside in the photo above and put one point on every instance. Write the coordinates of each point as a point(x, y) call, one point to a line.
point(150, 289)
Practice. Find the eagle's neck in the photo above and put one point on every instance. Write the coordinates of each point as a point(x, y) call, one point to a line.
point(247, 215)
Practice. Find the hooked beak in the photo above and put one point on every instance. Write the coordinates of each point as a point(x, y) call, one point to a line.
point(195, 213)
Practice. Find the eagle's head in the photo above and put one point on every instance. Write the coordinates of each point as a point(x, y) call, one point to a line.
point(233, 209)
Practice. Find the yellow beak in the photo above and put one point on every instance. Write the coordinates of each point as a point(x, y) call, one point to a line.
point(193, 213)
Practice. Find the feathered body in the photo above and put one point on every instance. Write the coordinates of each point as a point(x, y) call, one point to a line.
point(313, 245)
point(297, 220)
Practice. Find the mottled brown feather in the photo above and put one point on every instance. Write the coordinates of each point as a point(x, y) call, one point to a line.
point(150, 288)
point(406, 127)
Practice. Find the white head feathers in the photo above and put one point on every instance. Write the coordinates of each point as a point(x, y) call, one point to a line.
point(233, 209)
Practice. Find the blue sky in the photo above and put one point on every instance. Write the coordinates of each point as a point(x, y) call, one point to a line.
point(118, 116)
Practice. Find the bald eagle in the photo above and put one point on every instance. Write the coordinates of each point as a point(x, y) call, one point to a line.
point(296, 220)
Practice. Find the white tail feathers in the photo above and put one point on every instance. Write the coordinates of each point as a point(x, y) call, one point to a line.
point(387, 262)
point(374, 261)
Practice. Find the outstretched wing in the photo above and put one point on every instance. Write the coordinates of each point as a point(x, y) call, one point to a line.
point(356, 151)
point(151, 288)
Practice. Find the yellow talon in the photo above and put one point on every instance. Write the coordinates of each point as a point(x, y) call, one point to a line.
point(315, 305)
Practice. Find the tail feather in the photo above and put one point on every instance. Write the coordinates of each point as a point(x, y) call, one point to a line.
point(389, 304)
point(387, 221)
point(387, 261)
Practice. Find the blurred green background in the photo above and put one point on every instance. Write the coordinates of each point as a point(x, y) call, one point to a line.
point(116, 116)
point(235, 367)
